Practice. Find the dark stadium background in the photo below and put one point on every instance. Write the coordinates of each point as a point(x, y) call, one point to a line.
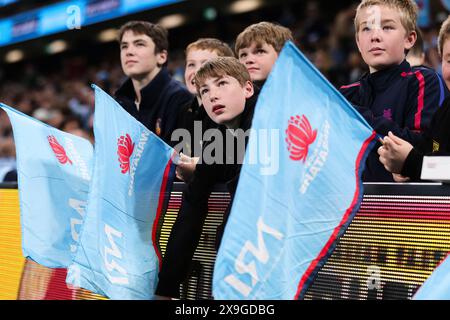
point(55, 87)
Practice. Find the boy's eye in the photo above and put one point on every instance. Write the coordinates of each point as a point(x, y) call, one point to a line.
point(139, 44)
point(388, 28)
point(221, 83)
point(203, 91)
point(365, 29)
point(190, 65)
point(261, 51)
point(123, 47)
point(242, 55)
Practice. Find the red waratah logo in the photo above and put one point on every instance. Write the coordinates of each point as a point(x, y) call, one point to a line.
point(299, 137)
point(59, 151)
point(124, 151)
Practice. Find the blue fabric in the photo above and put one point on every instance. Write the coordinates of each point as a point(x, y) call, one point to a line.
point(116, 256)
point(437, 286)
point(54, 174)
point(292, 205)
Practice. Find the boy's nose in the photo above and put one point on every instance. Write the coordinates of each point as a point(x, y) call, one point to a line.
point(249, 59)
point(213, 95)
point(213, 98)
point(129, 51)
point(376, 34)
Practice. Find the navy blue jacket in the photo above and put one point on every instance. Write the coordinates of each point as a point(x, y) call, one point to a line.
point(161, 100)
point(400, 99)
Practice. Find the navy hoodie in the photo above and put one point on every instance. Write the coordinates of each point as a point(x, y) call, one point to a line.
point(400, 99)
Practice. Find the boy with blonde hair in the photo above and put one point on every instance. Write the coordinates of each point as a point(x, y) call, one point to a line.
point(228, 97)
point(400, 157)
point(193, 115)
point(199, 52)
point(393, 96)
point(258, 47)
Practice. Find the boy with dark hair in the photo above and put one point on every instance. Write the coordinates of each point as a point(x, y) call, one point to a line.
point(149, 94)
point(227, 94)
point(393, 96)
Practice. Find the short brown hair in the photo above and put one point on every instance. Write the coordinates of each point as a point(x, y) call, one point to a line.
point(219, 67)
point(157, 33)
point(444, 34)
point(407, 8)
point(263, 32)
point(211, 44)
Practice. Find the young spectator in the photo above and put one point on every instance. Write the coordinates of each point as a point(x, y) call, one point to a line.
point(193, 114)
point(258, 47)
point(400, 157)
point(393, 96)
point(150, 95)
point(227, 94)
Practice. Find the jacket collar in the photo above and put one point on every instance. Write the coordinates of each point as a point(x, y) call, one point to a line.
point(380, 80)
point(150, 93)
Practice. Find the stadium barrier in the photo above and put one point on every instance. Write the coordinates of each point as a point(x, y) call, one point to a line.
point(399, 235)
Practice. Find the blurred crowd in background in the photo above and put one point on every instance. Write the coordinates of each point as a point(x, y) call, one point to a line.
point(58, 90)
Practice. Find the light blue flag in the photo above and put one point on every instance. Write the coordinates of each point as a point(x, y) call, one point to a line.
point(54, 173)
point(437, 286)
point(117, 255)
point(303, 166)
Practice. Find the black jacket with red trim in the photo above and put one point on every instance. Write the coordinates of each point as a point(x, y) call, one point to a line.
point(400, 99)
point(436, 143)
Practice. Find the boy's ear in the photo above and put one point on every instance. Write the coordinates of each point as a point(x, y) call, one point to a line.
point(161, 57)
point(249, 90)
point(410, 40)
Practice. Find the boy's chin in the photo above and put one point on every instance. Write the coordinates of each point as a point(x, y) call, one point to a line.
point(192, 89)
point(218, 121)
point(258, 78)
point(133, 74)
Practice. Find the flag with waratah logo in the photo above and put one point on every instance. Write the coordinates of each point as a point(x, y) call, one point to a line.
point(117, 254)
point(54, 174)
point(303, 165)
point(437, 286)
